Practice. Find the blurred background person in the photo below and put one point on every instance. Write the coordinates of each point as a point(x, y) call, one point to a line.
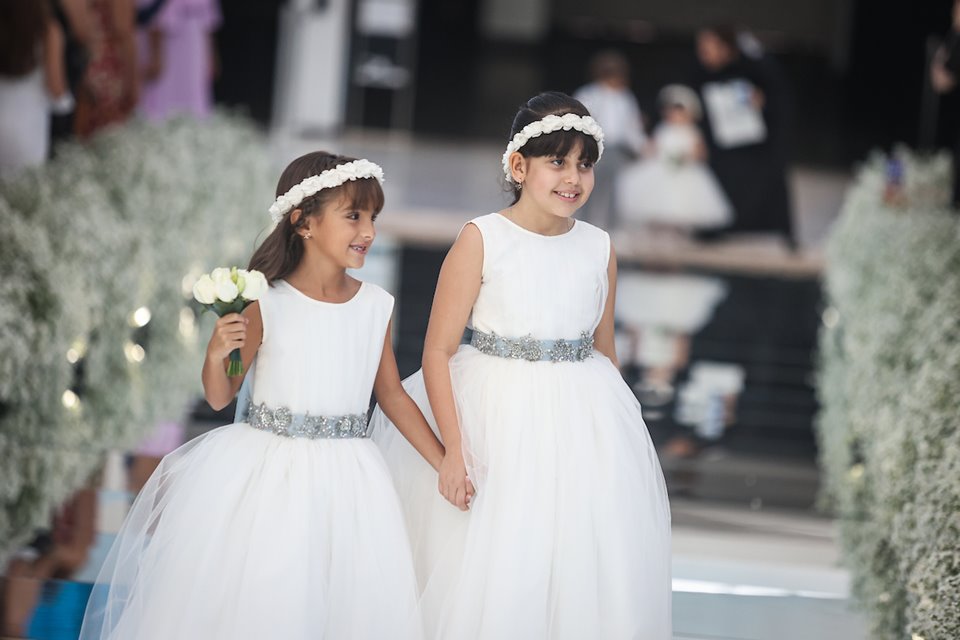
point(673, 190)
point(75, 21)
point(944, 71)
point(178, 59)
point(110, 86)
point(745, 132)
point(31, 81)
point(609, 98)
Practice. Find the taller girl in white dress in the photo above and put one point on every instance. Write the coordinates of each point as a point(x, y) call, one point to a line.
point(286, 524)
point(568, 533)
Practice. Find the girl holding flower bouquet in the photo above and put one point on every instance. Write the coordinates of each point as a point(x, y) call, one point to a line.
point(285, 525)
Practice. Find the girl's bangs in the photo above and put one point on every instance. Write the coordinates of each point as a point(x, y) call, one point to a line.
point(364, 194)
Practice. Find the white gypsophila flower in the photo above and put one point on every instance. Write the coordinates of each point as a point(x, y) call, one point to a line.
point(890, 459)
point(205, 290)
point(256, 285)
point(111, 195)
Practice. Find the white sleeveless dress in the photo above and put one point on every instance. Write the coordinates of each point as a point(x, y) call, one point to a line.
point(568, 536)
point(672, 187)
point(244, 533)
point(24, 123)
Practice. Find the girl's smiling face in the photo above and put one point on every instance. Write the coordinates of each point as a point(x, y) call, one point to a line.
point(342, 232)
point(558, 185)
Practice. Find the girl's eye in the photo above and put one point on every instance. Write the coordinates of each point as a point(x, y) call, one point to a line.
point(557, 162)
point(586, 165)
point(353, 215)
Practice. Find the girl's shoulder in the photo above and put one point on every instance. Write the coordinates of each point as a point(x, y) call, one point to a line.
point(594, 238)
point(486, 223)
point(590, 231)
point(375, 292)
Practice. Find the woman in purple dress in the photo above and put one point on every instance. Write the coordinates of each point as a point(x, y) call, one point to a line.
point(178, 60)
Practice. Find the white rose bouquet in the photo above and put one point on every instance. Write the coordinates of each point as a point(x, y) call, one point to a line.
point(226, 291)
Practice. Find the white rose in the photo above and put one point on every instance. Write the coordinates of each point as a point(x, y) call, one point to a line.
point(204, 290)
point(311, 185)
point(295, 195)
point(227, 290)
point(241, 282)
point(221, 274)
point(256, 285)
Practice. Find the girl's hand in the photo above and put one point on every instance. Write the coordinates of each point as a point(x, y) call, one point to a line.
point(454, 484)
point(229, 333)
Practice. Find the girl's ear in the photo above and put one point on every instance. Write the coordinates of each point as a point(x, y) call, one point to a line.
point(295, 216)
point(518, 166)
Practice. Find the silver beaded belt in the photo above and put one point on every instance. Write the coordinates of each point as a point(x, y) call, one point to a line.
point(283, 422)
point(530, 349)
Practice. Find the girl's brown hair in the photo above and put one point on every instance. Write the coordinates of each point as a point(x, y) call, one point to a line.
point(23, 25)
point(558, 143)
point(280, 253)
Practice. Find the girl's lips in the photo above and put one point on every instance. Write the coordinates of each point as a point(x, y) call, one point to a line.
point(569, 196)
point(359, 248)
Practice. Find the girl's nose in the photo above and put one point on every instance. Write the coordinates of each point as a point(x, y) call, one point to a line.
point(368, 232)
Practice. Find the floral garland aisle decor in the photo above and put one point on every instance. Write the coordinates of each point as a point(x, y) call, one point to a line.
point(889, 387)
point(100, 339)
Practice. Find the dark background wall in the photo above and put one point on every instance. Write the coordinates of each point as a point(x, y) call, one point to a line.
point(856, 67)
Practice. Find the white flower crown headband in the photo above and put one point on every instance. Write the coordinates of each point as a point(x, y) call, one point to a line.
point(354, 170)
point(549, 124)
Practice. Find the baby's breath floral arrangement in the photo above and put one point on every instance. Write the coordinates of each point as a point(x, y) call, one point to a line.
point(99, 335)
point(889, 386)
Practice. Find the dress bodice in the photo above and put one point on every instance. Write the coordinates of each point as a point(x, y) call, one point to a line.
point(675, 141)
point(548, 287)
point(319, 357)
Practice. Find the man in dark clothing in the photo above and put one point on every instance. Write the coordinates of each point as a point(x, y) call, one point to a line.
point(746, 130)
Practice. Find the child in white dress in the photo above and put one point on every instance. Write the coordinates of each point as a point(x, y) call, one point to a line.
point(568, 533)
point(674, 188)
point(286, 524)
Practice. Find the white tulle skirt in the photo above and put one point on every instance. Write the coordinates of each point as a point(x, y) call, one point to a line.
point(686, 195)
point(244, 534)
point(568, 536)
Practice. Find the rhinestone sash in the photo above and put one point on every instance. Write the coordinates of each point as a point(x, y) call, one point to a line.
point(530, 349)
point(282, 422)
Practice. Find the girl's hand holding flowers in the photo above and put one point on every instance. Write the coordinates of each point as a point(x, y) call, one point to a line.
point(227, 292)
point(229, 333)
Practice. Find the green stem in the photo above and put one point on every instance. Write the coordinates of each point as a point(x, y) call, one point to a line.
point(235, 368)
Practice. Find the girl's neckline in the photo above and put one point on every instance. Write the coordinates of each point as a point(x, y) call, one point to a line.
point(324, 302)
point(576, 223)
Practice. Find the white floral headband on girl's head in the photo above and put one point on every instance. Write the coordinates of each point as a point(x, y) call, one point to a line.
point(355, 170)
point(549, 124)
